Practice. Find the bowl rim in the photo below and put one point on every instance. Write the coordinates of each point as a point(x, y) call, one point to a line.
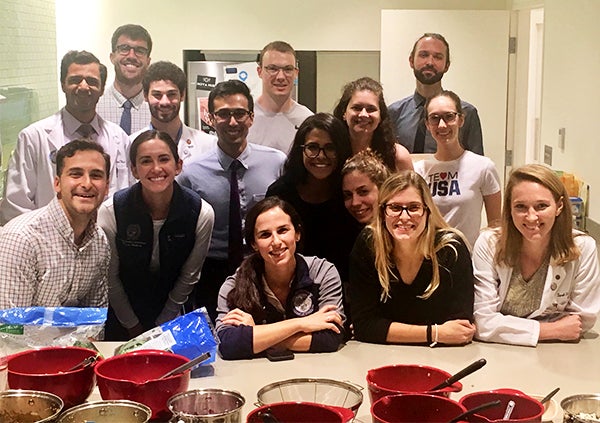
point(21, 354)
point(93, 404)
point(230, 392)
point(109, 360)
point(455, 387)
point(354, 388)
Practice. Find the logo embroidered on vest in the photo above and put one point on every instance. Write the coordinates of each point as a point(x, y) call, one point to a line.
point(133, 232)
point(303, 303)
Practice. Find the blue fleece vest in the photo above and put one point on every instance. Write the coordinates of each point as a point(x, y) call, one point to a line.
point(147, 290)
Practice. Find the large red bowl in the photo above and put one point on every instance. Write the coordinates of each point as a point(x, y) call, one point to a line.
point(408, 379)
point(133, 376)
point(410, 408)
point(46, 370)
point(526, 409)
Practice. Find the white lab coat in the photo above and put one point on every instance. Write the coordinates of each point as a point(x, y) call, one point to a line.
point(570, 288)
point(31, 168)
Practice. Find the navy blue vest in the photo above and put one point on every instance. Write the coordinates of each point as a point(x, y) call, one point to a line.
point(148, 291)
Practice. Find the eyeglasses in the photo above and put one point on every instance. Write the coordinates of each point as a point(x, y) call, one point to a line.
point(448, 117)
point(396, 210)
point(274, 70)
point(312, 150)
point(139, 51)
point(240, 115)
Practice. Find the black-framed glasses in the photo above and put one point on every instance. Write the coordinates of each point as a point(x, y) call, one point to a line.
point(312, 150)
point(396, 210)
point(448, 117)
point(240, 115)
point(274, 70)
point(139, 51)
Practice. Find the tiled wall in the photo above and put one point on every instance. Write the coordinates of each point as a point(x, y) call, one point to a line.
point(28, 69)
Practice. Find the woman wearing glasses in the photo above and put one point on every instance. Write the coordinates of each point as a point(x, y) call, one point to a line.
point(311, 183)
point(536, 279)
point(363, 110)
point(461, 182)
point(411, 279)
point(277, 297)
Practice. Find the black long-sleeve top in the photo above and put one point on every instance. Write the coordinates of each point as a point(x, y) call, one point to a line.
point(372, 317)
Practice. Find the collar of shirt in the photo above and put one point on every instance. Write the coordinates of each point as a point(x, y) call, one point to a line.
point(71, 124)
point(64, 228)
point(419, 100)
point(225, 160)
point(136, 100)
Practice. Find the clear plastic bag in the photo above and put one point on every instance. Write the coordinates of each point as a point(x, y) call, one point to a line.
point(24, 328)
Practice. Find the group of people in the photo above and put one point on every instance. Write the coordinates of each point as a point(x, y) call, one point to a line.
point(295, 230)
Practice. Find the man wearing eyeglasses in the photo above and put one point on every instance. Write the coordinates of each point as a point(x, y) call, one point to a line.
point(430, 60)
point(123, 102)
point(232, 177)
point(277, 116)
point(32, 165)
point(164, 89)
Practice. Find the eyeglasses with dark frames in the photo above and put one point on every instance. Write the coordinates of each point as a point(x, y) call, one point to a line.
point(124, 49)
point(312, 150)
point(448, 117)
point(240, 115)
point(396, 210)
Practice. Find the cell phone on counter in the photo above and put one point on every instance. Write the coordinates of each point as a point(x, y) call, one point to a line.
point(279, 354)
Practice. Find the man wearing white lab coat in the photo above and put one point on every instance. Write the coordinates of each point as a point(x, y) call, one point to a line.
point(32, 165)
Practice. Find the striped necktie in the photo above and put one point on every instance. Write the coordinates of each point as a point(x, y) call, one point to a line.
point(126, 117)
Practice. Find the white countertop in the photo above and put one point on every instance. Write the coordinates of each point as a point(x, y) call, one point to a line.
point(575, 368)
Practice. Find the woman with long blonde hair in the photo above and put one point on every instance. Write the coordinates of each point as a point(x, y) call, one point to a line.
point(536, 278)
point(411, 278)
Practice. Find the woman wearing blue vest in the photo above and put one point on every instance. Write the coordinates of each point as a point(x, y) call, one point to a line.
point(277, 297)
point(159, 234)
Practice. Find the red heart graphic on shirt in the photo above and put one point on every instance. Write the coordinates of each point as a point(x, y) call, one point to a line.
point(443, 175)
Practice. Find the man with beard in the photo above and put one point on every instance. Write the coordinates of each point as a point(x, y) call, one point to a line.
point(232, 177)
point(164, 90)
point(430, 60)
point(31, 168)
point(277, 115)
point(123, 102)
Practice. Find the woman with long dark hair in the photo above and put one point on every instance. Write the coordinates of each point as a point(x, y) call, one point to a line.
point(311, 183)
point(159, 234)
point(277, 297)
point(363, 110)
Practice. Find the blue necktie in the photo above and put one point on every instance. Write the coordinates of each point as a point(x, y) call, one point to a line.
point(126, 117)
point(235, 219)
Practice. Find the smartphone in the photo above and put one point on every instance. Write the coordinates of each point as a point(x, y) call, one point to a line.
point(279, 354)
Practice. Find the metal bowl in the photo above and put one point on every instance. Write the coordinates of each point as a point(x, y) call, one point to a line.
point(581, 408)
point(320, 391)
point(25, 406)
point(207, 406)
point(122, 411)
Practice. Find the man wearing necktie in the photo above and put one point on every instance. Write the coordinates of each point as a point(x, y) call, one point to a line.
point(430, 60)
point(32, 165)
point(123, 102)
point(232, 177)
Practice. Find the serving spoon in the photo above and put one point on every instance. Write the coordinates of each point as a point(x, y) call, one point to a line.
point(474, 410)
point(464, 372)
point(192, 363)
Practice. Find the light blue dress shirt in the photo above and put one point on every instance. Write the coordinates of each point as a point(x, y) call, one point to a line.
point(208, 175)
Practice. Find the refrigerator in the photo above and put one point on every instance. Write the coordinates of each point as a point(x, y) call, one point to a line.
point(206, 68)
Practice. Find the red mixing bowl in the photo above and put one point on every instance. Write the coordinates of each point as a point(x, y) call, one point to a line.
point(46, 370)
point(133, 377)
point(300, 412)
point(407, 379)
point(526, 409)
point(410, 408)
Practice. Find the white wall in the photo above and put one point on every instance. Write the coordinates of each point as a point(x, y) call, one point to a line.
point(571, 89)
